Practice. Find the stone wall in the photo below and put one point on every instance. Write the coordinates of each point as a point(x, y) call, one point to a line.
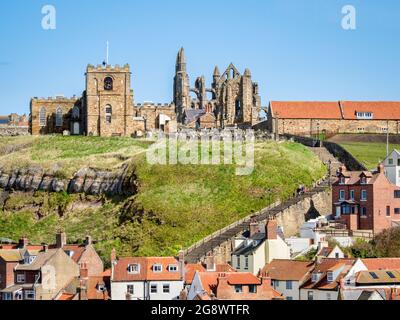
point(344, 156)
point(10, 131)
point(290, 220)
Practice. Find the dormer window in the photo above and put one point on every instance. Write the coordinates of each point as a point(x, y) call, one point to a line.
point(173, 268)
point(390, 161)
point(330, 276)
point(157, 268)
point(363, 180)
point(134, 268)
point(315, 277)
point(70, 253)
point(342, 180)
point(365, 115)
point(28, 259)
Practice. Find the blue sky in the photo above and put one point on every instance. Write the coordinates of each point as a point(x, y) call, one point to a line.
point(296, 49)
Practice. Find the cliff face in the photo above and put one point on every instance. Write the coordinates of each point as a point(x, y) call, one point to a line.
point(87, 180)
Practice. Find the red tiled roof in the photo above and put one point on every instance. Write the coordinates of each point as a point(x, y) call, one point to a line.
point(224, 268)
point(306, 109)
point(190, 270)
point(146, 269)
point(92, 288)
point(323, 267)
point(66, 296)
point(382, 263)
point(382, 110)
point(209, 280)
point(78, 250)
point(287, 269)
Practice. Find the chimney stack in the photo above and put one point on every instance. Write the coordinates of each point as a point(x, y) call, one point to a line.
point(61, 239)
point(381, 168)
point(23, 242)
point(210, 263)
point(271, 229)
point(88, 241)
point(113, 255)
point(181, 260)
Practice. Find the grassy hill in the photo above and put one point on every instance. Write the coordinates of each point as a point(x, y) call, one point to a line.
point(367, 148)
point(176, 205)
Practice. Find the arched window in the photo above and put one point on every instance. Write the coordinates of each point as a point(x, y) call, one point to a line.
point(42, 117)
point(238, 109)
point(108, 83)
point(75, 113)
point(59, 117)
point(108, 113)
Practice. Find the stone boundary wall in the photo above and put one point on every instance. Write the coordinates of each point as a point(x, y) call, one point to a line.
point(11, 131)
point(336, 150)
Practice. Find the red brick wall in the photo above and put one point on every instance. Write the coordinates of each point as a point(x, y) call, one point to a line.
point(7, 273)
point(93, 262)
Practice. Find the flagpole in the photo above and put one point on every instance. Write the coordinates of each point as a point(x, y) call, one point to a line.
point(107, 55)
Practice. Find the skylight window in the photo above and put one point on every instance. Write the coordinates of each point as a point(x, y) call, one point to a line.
point(374, 275)
point(365, 115)
point(390, 274)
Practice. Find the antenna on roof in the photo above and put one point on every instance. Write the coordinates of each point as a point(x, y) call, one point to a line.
point(105, 63)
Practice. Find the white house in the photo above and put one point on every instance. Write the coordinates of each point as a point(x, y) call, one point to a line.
point(263, 245)
point(392, 167)
point(157, 278)
point(287, 276)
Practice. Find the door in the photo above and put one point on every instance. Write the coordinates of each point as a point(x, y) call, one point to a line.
point(76, 129)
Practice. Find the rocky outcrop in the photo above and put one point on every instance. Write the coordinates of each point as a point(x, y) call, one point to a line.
point(87, 180)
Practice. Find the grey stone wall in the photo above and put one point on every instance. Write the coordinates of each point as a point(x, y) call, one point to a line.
point(9, 131)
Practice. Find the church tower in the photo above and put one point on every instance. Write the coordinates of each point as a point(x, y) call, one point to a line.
point(109, 101)
point(181, 85)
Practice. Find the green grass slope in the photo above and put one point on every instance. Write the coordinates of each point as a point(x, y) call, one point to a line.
point(176, 205)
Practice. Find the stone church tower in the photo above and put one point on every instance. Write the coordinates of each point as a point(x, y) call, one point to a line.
point(182, 98)
point(109, 101)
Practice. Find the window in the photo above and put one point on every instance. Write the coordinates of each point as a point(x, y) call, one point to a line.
point(373, 275)
point(157, 268)
point(396, 210)
point(328, 296)
point(398, 162)
point(397, 194)
point(238, 288)
point(7, 296)
point(363, 211)
point(276, 283)
point(289, 285)
point(336, 255)
point(153, 288)
point(363, 180)
point(346, 209)
point(166, 288)
point(59, 117)
point(363, 195)
point(289, 298)
point(42, 117)
point(314, 277)
point(237, 262)
point(351, 194)
point(361, 129)
point(390, 274)
point(172, 268)
point(390, 161)
point(365, 115)
point(20, 277)
point(252, 288)
point(108, 83)
point(342, 180)
point(29, 295)
point(388, 211)
point(134, 268)
point(108, 114)
point(130, 289)
point(310, 295)
point(342, 195)
point(330, 276)
point(75, 113)
point(246, 263)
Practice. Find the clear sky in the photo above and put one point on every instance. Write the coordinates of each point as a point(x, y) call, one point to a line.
point(295, 49)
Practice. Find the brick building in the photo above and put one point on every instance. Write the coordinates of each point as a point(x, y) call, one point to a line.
point(366, 200)
point(107, 108)
point(308, 118)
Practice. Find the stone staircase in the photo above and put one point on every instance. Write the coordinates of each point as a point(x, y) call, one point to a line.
point(200, 250)
point(325, 156)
